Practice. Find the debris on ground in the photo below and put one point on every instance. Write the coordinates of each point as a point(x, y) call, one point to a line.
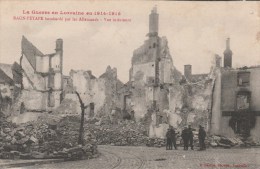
point(229, 142)
point(57, 137)
point(124, 133)
point(44, 138)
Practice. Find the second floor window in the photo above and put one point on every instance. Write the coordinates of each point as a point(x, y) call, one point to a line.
point(243, 78)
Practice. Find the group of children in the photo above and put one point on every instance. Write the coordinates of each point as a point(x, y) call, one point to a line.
point(187, 137)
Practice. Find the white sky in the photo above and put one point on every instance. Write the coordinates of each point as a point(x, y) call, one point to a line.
point(195, 32)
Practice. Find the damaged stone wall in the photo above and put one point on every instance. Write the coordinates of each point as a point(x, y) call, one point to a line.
point(138, 99)
point(35, 93)
point(188, 103)
point(111, 86)
point(31, 80)
point(166, 66)
point(219, 124)
point(179, 100)
point(229, 108)
point(146, 75)
point(17, 78)
point(101, 92)
point(37, 82)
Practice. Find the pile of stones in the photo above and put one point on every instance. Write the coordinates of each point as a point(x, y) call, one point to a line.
point(229, 142)
point(43, 138)
point(124, 133)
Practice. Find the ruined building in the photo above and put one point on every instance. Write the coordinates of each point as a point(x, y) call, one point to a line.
point(41, 81)
point(236, 106)
point(152, 67)
point(44, 88)
point(228, 55)
point(99, 93)
point(157, 94)
point(148, 95)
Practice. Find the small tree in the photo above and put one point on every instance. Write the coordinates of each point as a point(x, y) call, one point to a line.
point(81, 129)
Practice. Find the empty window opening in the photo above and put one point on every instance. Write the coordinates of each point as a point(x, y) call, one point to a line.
point(243, 78)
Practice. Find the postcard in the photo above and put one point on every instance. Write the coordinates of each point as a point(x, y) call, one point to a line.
point(129, 84)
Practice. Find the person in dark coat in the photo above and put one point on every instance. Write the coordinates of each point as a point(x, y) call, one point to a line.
point(169, 139)
point(185, 138)
point(190, 137)
point(173, 133)
point(202, 136)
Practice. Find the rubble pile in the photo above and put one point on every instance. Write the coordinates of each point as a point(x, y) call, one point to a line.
point(121, 134)
point(156, 142)
point(225, 142)
point(44, 138)
point(68, 131)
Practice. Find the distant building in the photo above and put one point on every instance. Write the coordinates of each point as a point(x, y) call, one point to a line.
point(10, 85)
point(193, 77)
point(6, 80)
point(6, 87)
point(99, 93)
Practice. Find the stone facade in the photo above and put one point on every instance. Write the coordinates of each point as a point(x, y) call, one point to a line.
point(157, 95)
point(101, 94)
point(236, 110)
point(151, 67)
point(41, 78)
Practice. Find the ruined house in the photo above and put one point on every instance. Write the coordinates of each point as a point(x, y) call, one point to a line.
point(152, 67)
point(42, 80)
point(100, 94)
point(146, 96)
point(158, 95)
point(236, 108)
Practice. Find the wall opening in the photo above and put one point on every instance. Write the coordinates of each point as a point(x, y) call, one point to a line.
point(159, 120)
point(243, 78)
point(243, 119)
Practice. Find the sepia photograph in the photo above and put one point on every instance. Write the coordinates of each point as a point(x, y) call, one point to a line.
point(129, 84)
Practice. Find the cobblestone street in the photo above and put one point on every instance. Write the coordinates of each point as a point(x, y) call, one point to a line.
point(158, 158)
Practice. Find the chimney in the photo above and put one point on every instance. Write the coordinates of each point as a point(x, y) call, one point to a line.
point(187, 71)
point(153, 22)
point(59, 50)
point(228, 55)
point(59, 45)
